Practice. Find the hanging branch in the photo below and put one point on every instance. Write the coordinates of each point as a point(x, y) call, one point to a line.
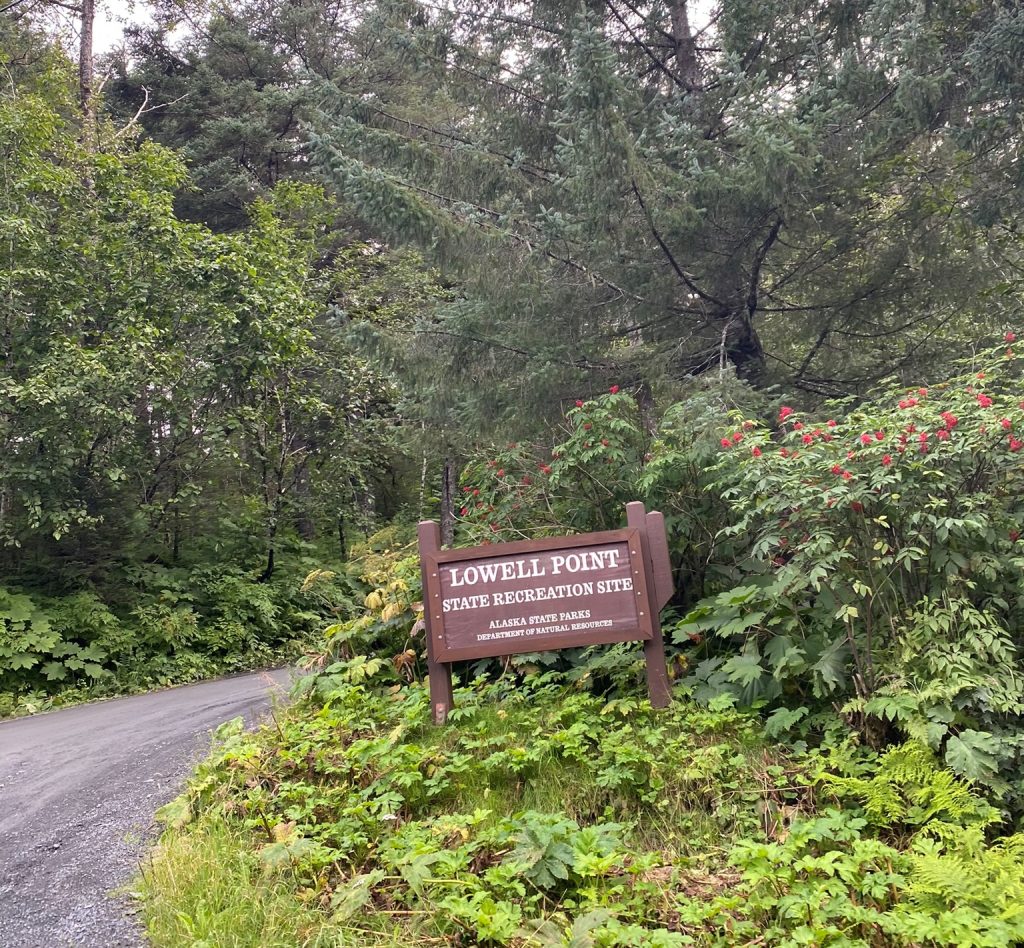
point(690, 285)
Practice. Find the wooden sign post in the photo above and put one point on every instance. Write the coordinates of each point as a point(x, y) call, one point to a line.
point(536, 595)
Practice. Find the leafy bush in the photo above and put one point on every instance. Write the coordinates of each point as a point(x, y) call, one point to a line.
point(869, 560)
point(376, 602)
point(610, 451)
point(33, 649)
point(885, 569)
point(174, 625)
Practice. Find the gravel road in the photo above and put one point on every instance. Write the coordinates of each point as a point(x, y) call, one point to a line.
point(78, 789)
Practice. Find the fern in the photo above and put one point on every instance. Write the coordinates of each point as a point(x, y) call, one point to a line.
point(911, 787)
point(962, 871)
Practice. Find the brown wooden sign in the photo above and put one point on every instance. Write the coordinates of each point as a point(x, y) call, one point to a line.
point(535, 595)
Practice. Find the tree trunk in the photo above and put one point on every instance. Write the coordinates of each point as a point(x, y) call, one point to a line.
point(368, 502)
point(687, 67)
point(743, 347)
point(648, 412)
point(305, 525)
point(85, 75)
point(176, 522)
point(423, 478)
point(448, 489)
point(268, 570)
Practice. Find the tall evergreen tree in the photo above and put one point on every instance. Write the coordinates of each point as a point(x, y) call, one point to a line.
point(223, 94)
point(628, 192)
point(232, 85)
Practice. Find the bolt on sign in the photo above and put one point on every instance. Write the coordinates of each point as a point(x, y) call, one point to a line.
point(537, 595)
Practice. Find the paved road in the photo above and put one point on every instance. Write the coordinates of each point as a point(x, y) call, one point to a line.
point(78, 789)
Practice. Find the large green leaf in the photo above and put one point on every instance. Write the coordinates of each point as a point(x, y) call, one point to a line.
point(55, 671)
point(974, 754)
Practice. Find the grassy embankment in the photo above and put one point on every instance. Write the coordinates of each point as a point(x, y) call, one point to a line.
point(544, 815)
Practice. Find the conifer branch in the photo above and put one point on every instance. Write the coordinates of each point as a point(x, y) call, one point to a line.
point(758, 263)
point(70, 7)
point(647, 51)
point(641, 16)
point(699, 317)
point(501, 84)
point(690, 285)
point(542, 173)
point(813, 351)
point(497, 18)
point(506, 347)
point(495, 216)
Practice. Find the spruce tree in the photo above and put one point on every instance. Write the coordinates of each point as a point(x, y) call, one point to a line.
point(626, 192)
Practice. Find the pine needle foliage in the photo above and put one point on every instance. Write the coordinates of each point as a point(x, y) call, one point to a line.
point(621, 191)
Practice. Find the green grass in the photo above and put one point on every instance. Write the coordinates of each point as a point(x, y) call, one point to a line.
point(203, 887)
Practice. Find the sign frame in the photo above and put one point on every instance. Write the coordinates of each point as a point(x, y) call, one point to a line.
point(643, 629)
point(649, 567)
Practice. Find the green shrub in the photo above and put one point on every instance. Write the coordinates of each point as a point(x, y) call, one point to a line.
point(170, 625)
point(610, 451)
point(886, 570)
point(35, 649)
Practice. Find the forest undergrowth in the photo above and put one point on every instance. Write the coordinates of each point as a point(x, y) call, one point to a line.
point(839, 765)
point(544, 814)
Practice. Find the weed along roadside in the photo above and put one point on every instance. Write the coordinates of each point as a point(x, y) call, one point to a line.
point(558, 805)
point(537, 595)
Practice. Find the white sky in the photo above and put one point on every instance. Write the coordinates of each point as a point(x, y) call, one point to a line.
point(111, 18)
